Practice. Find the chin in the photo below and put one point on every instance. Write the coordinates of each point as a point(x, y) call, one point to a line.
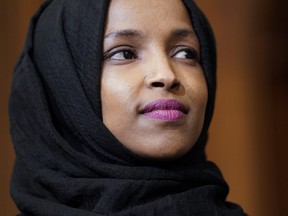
point(165, 152)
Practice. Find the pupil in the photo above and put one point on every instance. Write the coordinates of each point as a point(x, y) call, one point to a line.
point(190, 55)
point(128, 55)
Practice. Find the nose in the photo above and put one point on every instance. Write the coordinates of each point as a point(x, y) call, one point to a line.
point(162, 76)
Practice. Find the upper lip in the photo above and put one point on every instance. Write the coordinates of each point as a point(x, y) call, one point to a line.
point(165, 104)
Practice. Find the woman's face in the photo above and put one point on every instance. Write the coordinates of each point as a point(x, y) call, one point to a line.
point(153, 89)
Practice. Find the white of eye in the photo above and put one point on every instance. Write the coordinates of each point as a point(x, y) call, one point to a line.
point(123, 55)
point(185, 54)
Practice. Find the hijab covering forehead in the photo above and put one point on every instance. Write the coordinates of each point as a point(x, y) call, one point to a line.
point(67, 161)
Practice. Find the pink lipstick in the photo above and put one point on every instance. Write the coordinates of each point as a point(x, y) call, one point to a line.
point(163, 109)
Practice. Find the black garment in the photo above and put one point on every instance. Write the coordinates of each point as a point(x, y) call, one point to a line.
point(67, 162)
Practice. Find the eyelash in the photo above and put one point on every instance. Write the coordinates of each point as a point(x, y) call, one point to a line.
point(109, 55)
point(188, 50)
point(133, 54)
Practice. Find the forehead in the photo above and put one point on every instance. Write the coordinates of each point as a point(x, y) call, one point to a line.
point(147, 14)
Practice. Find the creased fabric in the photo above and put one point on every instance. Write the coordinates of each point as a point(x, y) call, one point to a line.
point(67, 162)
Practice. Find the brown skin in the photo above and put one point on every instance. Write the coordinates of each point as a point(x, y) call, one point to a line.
point(151, 52)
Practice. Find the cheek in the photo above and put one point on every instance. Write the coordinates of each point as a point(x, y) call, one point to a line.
point(197, 91)
point(201, 98)
point(118, 95)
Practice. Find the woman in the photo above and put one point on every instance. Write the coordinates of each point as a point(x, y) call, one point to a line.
point(109, 111)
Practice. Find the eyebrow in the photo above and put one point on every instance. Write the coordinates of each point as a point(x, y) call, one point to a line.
point(183, 33)
point(125, 33)
point(136, 33)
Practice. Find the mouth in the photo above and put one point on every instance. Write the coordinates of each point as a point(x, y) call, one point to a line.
point(165, 109)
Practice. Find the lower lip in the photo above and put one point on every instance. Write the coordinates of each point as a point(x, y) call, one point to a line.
point(167, 115)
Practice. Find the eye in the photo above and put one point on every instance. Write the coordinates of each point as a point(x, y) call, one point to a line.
point(187, 53)
point(120, 55)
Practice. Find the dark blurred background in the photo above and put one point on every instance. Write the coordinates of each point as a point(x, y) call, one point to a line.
point(248, 136)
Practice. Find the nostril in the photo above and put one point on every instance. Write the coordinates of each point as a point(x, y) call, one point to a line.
point(175, 85)
point(158, 84)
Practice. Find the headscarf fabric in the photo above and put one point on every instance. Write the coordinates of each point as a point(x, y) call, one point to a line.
point(67, 162)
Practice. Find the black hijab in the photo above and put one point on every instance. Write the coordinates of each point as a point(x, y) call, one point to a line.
point(67, 162)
